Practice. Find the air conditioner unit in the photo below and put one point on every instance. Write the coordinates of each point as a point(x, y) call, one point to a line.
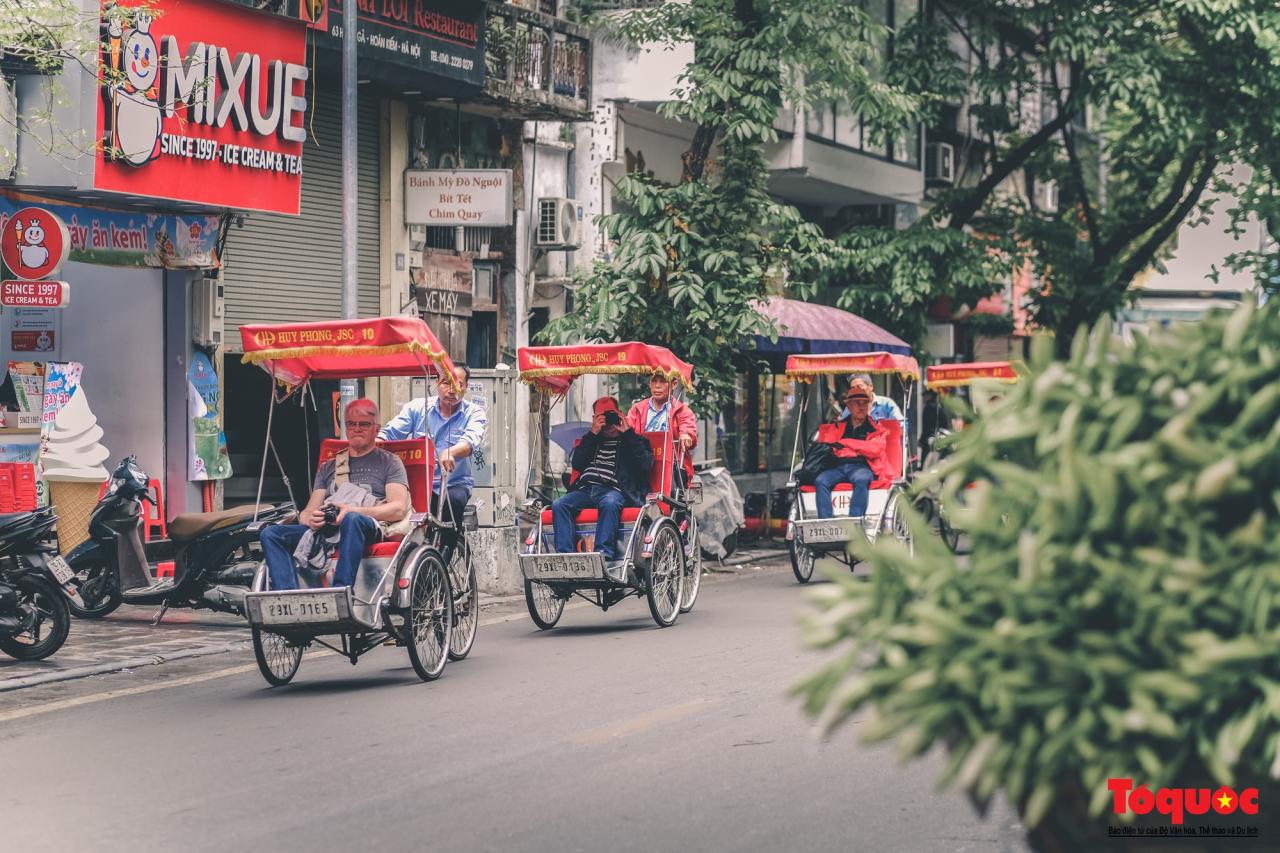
point(559, 223)
point(940, 162)
point(207, 312)
point(1047, 196)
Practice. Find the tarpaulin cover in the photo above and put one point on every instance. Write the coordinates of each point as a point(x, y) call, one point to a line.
point(807, 327)
point(553, 369)
point(805, 367)
point(720, 514)
point(952, 375)
point(346, 349)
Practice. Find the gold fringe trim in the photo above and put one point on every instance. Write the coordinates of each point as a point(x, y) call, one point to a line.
point(330, 351)
point(531, 376)
point(969, 380)
point(809, 375)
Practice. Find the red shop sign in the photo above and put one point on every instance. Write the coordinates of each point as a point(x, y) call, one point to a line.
point(34, 243)
point(33, 294)
point(204, 103)
point(32, 340)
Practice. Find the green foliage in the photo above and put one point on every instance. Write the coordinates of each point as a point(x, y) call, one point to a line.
point(691, 260)
point(1176, 90)
point(1120, 611)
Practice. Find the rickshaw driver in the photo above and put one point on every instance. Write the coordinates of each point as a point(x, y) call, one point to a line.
point(457, 427)
point(613, 462)
point(376, 470)
point(660, 413)
point(859, 446)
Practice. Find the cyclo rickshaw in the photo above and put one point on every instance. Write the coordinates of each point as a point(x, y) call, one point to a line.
point(661, 559)
point(810, 538)
point(404, 593)
point(959, 378)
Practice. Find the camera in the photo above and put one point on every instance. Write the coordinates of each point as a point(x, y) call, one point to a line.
point(612, 418)
point(331, 514)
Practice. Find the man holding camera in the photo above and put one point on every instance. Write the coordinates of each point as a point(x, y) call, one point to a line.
point(612, 464)
point(361, 464)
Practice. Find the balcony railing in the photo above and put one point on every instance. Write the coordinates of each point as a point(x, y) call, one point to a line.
point(536, 65)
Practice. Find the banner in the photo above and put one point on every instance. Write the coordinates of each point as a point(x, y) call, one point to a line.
point(61, 379)
point(124, 239)
point(208, 458)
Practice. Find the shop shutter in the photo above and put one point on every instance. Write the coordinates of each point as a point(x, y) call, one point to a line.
point(282, 269)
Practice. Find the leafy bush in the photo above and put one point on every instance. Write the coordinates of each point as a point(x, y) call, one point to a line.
point(1119, 613)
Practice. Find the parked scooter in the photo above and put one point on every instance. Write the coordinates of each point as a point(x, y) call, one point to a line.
point(215, 554)
point(35, 584)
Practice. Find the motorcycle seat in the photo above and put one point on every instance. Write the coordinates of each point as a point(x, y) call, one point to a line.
point(192, 524)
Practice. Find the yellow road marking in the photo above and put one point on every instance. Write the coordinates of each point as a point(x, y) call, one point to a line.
point(635, 725)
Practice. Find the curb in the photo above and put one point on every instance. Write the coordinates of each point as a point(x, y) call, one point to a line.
point(116, 666)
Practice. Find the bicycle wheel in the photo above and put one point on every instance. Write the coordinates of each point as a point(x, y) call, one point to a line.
point(802, 558)
point(429, 622)
point(466, 603)
point(692, 568)
point(545, 607)
point(664, 580)
point(894, 521)
point(278, 658)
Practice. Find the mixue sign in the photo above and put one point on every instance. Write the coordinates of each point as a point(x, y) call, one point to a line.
point(204, 102)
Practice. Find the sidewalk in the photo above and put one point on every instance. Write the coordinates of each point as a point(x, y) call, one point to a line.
point(127, 640)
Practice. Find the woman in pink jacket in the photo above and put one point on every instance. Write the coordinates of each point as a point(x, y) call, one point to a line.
point(659, 413)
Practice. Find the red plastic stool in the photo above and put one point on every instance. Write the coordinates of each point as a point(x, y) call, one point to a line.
point(154, 522)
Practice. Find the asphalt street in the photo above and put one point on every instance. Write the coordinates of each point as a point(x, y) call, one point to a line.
point(606, 733)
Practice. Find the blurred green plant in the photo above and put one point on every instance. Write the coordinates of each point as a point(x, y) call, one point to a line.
point(1119, 615)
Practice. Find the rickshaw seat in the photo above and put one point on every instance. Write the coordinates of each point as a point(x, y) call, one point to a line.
point(893, 451)
point(417, 465)
point(660, 475)
point(591, 516)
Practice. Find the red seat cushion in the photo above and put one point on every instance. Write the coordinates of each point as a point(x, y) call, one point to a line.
point(418, 456)
point(848, 487)
point(385, 548)
point(590, 516)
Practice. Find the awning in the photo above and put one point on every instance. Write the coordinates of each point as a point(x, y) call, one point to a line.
point(805, 367)
point(806, 327)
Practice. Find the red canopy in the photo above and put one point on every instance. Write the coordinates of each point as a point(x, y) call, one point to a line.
point(952, 375)
point(553, 369)
point(346, 349)
point(805, 367)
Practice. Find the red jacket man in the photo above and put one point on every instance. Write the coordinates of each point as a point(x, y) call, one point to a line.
point(660, 412)
point(860, 445)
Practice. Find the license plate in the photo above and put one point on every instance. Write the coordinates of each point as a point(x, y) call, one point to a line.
point(817, 534)
point(565, 567)
point(293, 609)
point(61, 570)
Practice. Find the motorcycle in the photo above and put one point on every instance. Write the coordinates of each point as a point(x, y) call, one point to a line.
point(215, 554)
point(35, 584)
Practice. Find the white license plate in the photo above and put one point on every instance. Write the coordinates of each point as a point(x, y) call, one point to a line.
point(566, 567)
point(293, 609)
point(61, 570)
point(817, 534)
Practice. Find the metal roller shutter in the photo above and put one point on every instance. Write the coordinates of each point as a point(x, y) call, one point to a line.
point(281, 269)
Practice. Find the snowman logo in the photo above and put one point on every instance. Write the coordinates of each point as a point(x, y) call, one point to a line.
point(44, 342)
point(31, 248)
point(135, 107)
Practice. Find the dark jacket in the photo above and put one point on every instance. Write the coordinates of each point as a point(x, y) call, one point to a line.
point(635, 459)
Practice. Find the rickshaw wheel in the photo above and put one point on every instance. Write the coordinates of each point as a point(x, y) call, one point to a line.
point(545, 607)
point(429, 622)
point(278, 659)
point(802, 561)
point(664, 581)
point(692, 569)
point(466, 603)
point(894, 522)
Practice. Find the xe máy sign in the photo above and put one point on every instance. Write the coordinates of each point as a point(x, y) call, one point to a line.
point(204, 103)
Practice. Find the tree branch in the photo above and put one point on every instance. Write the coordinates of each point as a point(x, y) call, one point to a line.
point(1139, 260)
point(1077, 170)
point(1135, 230)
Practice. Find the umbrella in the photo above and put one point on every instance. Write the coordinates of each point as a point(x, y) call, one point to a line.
point(566, 435)
point(807, 327)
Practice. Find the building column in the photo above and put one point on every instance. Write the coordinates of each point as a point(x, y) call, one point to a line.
point(393, 249)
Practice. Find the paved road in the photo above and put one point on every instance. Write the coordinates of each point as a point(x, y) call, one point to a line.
point(604, 734)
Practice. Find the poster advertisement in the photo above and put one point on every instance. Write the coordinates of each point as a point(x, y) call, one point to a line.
point(35, 330)
point(208, 459)
point(61, 379)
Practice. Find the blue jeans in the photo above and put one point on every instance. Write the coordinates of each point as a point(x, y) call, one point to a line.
point(606, 501)
point(280, 540)
point(846, 472)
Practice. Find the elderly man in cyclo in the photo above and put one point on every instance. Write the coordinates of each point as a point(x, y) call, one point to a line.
point(612, 463)
point(356, 491)
point(457, 428)
point(659, 412)
point(859, 447)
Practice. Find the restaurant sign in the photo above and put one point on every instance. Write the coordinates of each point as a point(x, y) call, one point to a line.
point(475, 197)
point(440, 37)
point(202, 102)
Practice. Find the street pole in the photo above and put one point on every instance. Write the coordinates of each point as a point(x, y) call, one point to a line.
point(350, 244)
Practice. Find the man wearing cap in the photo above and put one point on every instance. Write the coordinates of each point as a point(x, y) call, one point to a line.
point(859, 446)
point(612, 464)
point(660, 413)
